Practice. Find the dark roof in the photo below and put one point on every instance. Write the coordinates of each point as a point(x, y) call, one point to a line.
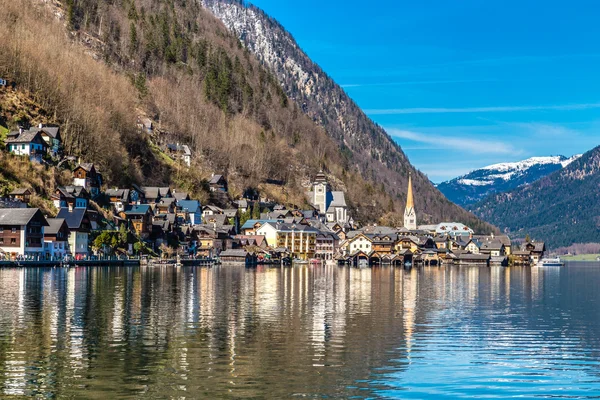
point(73, 191)
point(181, 196)
point(216, 179)
point(73, 218)
point(54, 225)
point(473, 257)
point(122, 194)
point(86, 166)
point(20, 191)
point(138, 209)
point(152, 192)
point(167, 201)
point(493, 245)
point(234, 253)
point(26, 137)
point(219, 219)
point(20, 216)
point(53, 131)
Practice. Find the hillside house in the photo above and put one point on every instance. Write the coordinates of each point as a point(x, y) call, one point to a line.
point(80, 226)
point(139, 218)
point(181, 195)
point(21, 194)
point(27, 143)
point(166, 205)
point(22, 232)
point(56, 238)
point(218, 183)
point(191, 210)
point(211, 210)
point(180, 151)
point(152, 195)
point(87, 176)
point(119, 198)
point(71, 197)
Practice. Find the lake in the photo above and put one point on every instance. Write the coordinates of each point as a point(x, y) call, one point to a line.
point(303, 332)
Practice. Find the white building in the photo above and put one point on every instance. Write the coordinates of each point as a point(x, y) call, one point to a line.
point(332, 204)
point(22, 232)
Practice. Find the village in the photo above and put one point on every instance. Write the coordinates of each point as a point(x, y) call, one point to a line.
point(95, 222)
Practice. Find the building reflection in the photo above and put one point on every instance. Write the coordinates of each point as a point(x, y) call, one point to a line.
point(189, 332)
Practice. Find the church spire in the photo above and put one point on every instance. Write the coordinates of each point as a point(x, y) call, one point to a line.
point(410, 216)
point(409, 198)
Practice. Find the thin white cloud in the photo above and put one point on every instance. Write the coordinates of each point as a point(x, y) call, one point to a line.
point(402, 83)
point(546, 130)
point(443, 110)
point(470, 145)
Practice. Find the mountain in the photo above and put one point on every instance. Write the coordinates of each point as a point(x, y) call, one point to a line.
point(364, 145)
point(98, 68)
point(561, 208)
point(496, 178)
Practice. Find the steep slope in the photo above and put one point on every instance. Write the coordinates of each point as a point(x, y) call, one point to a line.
point(99, 67)
point(497, 178)
point(363, 144)
point(561, 208)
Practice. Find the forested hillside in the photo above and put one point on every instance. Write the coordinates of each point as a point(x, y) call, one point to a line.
point(363, 144)
point(98, 66)
point(561, 208)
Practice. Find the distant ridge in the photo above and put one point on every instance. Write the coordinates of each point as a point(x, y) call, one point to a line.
point(561, 208)
point(502, 177)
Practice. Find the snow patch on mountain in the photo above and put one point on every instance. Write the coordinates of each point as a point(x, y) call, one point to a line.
point(570, 160)
point(474, 182)
point(525, 164)
point(501, 177)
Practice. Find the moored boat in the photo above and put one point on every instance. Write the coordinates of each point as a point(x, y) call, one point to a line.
point(551, 262)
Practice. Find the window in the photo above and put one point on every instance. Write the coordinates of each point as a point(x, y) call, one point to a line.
point(1, 240)
point(14, 230)
point(13, 241)
point(1, 229)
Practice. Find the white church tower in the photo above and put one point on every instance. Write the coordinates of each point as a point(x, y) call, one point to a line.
point(320, 190)
point(410, 217)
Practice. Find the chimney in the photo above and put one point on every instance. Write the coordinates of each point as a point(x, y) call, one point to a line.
point(41, 125)
point(21, 130)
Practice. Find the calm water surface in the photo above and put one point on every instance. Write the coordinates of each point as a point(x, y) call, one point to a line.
point(326, 332)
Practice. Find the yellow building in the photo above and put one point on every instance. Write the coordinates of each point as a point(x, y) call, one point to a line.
point(300, 240)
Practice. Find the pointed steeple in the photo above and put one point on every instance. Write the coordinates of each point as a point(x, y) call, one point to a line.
point(409, 198)
point(410, 216)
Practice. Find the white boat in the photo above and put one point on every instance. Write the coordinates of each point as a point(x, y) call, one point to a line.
point(551, 262)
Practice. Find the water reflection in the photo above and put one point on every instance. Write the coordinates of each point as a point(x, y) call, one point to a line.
point(267, 332)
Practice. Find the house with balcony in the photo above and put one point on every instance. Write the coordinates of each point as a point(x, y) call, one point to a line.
point(71, 197)
point(21, 194)
point(139, 217)
point(86, 175)
point(56, 239)
point(119, 198)
point(27, 143)
point(80, 225)
point(22, 232)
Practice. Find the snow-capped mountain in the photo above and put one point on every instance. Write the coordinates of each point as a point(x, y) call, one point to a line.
point(476, 185)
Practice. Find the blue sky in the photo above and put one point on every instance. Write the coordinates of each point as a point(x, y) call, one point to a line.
point(461, 84)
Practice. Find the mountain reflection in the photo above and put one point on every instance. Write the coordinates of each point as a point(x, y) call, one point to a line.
point(235, 332)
